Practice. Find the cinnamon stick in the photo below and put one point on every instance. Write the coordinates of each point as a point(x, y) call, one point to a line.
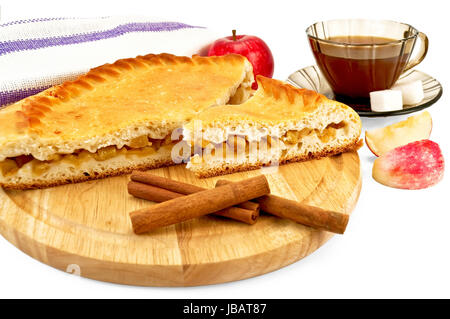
point(179, 187)
point(198, 204)
point(312, 216)
point(156, 194)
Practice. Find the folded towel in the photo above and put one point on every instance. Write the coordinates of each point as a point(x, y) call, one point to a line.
point(39, 53)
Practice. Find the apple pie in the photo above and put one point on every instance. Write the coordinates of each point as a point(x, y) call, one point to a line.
point(116, 118)
point(278, 124)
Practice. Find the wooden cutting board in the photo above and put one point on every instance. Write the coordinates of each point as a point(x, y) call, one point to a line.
point(85, 228)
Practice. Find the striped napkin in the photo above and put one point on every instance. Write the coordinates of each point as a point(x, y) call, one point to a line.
point(39, 53)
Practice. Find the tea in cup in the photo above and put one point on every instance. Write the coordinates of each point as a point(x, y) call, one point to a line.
point(361, 56)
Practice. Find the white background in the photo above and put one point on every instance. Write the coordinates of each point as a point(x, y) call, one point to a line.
point(397, 241)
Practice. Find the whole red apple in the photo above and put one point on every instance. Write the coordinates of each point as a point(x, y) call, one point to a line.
point(253, 48)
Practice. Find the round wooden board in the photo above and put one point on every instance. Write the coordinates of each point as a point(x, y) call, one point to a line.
point(85, 227)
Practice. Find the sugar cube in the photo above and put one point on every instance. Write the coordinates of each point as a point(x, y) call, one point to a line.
point(412, 92)
point(386, 100)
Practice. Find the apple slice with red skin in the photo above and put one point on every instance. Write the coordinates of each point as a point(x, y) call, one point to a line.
point(415, 165)
point(414, 128)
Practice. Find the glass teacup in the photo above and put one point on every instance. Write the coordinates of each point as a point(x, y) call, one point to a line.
point(360, 56)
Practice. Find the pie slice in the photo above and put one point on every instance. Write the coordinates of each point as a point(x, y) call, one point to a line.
point(279, 124)
point(116, 118)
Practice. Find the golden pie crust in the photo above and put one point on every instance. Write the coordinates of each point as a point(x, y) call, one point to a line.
point(114, 104)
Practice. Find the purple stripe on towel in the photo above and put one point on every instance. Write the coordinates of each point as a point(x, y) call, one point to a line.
point(9, 97)
point(31, 21)
point(33, 44)
point(27, 21)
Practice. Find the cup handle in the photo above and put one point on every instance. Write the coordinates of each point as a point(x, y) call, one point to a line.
point(423, 52)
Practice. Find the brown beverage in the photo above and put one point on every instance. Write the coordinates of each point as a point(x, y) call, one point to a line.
point(354, 66)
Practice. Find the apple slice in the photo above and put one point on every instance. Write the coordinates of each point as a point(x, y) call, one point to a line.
point(414, 128)
point(416, 165)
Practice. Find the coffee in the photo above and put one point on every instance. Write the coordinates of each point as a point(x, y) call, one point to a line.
point(367, 68)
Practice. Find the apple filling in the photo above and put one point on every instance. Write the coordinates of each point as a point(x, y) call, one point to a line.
point(139, 146)
point(240, 145)
point(325, 135)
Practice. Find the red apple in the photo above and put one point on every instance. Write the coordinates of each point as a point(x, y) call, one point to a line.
point(253, 48)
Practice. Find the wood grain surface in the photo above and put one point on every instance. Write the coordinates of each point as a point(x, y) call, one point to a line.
point(85, 227)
